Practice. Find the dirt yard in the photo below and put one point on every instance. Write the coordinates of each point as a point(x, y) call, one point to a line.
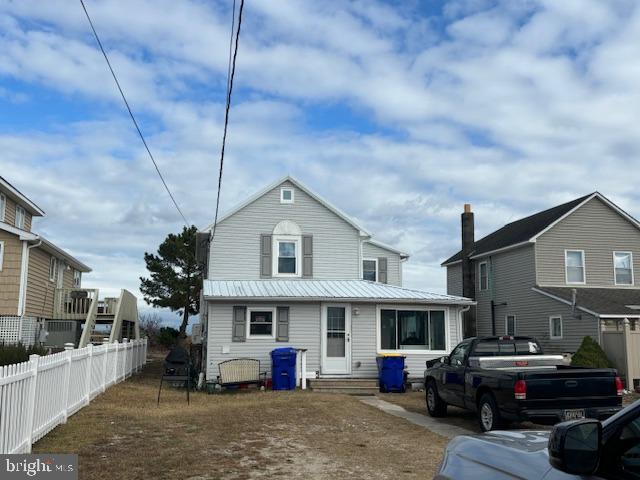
point(123, 435)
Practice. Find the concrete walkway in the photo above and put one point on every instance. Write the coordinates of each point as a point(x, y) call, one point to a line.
point(433, 424)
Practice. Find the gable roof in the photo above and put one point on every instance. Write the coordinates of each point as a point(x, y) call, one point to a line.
point(527, 229)
point(597, 301)
point(17, 196)
point(387, 247)
point(306, 190)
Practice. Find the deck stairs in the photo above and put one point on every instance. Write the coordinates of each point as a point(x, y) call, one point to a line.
point(348, 386)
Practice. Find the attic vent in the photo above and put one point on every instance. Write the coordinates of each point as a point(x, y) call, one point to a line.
point(286, 195)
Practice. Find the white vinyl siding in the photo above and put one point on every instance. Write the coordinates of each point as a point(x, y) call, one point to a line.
point(623, 268)
point(574, 266)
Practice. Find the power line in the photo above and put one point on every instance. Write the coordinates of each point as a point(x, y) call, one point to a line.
point(133, 118)
point(226, 114)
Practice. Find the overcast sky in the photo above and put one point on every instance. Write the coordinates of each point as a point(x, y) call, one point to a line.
point(398, 113)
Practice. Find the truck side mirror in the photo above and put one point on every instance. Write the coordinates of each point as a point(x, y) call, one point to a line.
point(445, 360)
point(575, 446)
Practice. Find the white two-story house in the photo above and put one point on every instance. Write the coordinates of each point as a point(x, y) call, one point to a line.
point(287, 268)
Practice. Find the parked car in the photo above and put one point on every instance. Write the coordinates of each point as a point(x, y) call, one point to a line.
point(510, 378)
point(585, 449)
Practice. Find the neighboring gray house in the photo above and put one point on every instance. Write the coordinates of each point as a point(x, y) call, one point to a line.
point(286, 268)
point(558, 275)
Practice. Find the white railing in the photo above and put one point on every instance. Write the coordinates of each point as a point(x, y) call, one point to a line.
point(38, 395)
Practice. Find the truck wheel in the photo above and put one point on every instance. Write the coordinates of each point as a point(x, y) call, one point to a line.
point(488, 413)
point(435, 405)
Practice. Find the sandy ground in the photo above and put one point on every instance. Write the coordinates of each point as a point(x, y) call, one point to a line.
point(124, 435)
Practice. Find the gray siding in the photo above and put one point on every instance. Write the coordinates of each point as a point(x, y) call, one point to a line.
point(454, 279)
point(596, 229)
point(235, 251)
point(511, 278)
point(305, 332)
point(394, 265)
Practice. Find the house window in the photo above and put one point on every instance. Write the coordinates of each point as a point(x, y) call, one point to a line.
point(3, 206)
point(286, 195)
point(370, 269)
point(260, 323)
point(53, 269)
point(623, 268)
point(510, 325)
point(555, 327)
point(1, 255)
point(287, 257)
point(574, 264)
point(484, 276)
point(77, 278)
point(412, 330)
point(20, 216)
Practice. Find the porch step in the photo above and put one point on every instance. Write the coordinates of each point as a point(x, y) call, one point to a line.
point(348, 386)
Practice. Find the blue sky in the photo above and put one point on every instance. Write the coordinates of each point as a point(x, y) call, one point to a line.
point(513, 106)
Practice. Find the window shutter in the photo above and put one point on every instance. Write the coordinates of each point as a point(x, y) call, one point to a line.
point(265, 256)
point(307, 256)
point(239, 332)
point(382, 269)
point(282, 325)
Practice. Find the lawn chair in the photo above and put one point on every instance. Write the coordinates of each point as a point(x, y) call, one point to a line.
point(177, 368)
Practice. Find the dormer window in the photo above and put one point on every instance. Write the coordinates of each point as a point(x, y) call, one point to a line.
point(20, 216)
point(286, 195)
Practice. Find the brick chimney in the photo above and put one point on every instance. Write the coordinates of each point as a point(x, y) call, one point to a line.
point(468, 270)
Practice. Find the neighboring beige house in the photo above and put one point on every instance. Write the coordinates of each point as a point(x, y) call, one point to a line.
point(41, 284)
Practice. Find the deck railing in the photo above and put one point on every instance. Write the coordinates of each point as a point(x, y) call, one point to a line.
point(74, 303)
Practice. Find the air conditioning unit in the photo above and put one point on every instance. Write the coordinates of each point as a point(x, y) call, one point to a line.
point(196, 333)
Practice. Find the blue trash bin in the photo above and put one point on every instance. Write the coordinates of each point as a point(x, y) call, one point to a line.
point(283, 368)
point(391, 375)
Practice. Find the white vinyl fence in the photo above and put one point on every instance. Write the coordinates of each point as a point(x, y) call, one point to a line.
point(38, 395)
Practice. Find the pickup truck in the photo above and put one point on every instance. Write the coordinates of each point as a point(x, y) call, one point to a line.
point(510, 379)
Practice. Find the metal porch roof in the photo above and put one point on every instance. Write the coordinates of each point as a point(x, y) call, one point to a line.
point(353, 290)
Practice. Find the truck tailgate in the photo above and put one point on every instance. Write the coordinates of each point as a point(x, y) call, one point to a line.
point(569, 387)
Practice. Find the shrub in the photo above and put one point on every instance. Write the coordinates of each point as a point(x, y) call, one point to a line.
point(168, 336)
point(590, 354)
point(18, 353)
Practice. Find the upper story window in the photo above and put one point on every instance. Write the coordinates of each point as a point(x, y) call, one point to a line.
point(370, 269)
point(20, 217)
point(286, 195)
point(77, 278)
point(3, 206)
point(623, 268)
point(510, 325)
point(53, 269)
point(574, 266)
point(483, 273)
point(287, 254)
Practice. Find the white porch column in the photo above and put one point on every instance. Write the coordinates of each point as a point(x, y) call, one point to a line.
point(628, 355)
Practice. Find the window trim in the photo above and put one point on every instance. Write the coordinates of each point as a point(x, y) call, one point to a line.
point(287, 189)
point(1, 254)
point(486, 264)
point(23, 216)
point(428, 308)
point(276, 254)
point(3, 207)
point(515, 324)
point(53, 269)
point(551, 335)
point(370, 260)
point(615, 278)
point(273, 323)
point(566, 267)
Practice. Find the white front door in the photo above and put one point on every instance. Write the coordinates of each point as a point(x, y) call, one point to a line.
point(336, 339)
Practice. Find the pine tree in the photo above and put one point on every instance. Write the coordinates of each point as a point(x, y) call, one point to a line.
point(175, 281)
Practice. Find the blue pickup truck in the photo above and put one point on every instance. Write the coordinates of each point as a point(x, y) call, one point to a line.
point(510, 378)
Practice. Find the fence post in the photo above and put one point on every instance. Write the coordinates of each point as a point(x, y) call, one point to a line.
point(105, 361)
point(628, 354)
point(67, 380)
point(31, 400)
point(146, 344)
point(87, 397)
point(116, 374)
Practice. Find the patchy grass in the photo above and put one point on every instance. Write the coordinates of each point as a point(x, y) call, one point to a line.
point(124, 435)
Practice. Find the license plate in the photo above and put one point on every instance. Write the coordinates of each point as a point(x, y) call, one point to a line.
point(573, 414)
